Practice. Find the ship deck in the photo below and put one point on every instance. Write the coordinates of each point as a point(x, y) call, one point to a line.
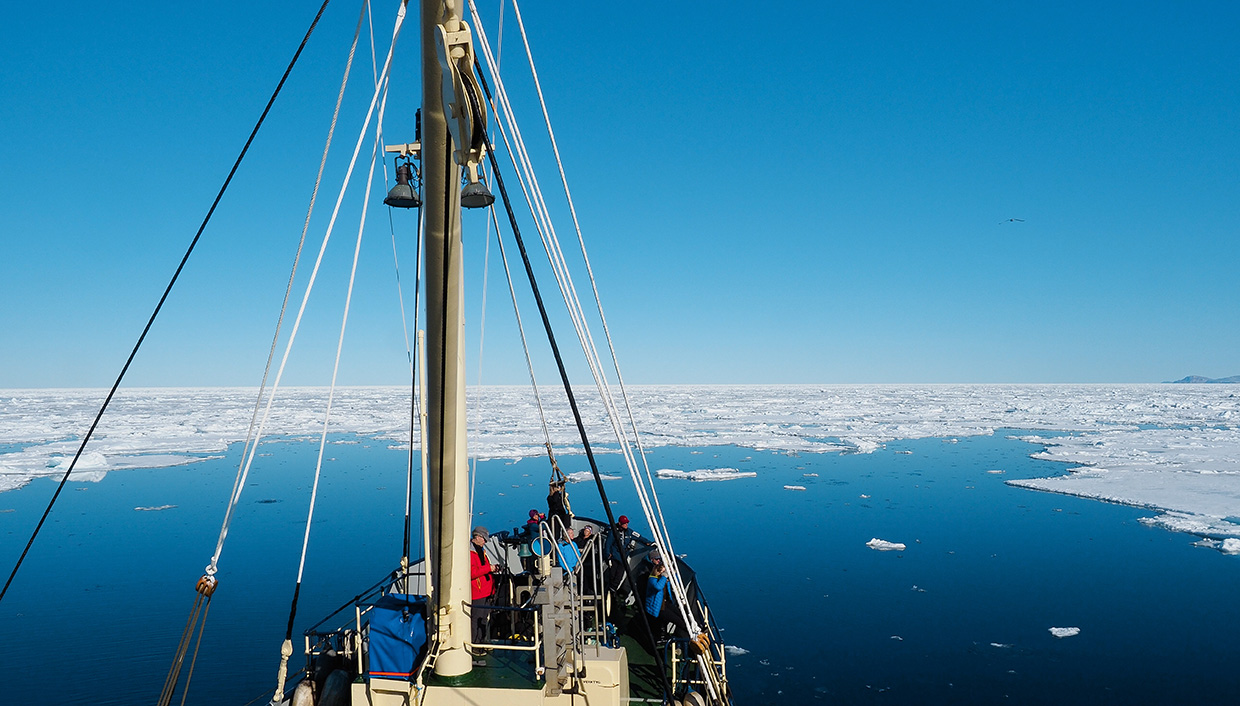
point(495, 669)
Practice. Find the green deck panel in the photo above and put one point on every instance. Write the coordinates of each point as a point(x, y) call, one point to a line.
point(500, 669)
point(644, 680)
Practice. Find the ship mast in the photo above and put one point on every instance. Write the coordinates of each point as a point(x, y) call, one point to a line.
point(445, 296)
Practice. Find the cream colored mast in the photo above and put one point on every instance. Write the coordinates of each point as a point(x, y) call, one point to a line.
point(445, 391)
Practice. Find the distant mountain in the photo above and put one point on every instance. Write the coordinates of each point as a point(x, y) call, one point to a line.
point(1199, 379)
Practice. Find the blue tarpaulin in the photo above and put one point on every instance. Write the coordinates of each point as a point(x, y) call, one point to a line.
point(397, 635)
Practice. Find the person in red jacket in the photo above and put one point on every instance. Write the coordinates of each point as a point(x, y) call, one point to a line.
point(482, 584)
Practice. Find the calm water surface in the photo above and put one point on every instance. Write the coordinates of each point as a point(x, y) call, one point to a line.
point(960, 617)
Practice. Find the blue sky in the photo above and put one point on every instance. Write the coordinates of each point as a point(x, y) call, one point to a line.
point(819, 195)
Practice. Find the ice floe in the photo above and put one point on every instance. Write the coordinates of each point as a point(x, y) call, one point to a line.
point(735, 651)
point(883, 545)
point(1175, 448)
point(155, 508)
point(704, 474)
point(584, 476)
point(1065, 632)
point(794, 487)
point(1231, 545)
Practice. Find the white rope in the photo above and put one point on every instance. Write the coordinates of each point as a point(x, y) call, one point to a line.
point(252, 438)
point(400, 292)
point(529, 363)
point(534, 199)
point(590, 272)
point(357, 249)
point(652, 511)
point(482, 330)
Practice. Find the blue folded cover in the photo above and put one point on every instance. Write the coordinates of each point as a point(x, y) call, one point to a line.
point(569, 556)
point(397, 635)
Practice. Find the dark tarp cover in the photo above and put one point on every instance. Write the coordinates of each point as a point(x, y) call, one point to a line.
point(397, 635)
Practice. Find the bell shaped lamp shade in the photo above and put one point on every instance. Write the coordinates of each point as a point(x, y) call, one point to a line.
point(402, 195)
point(476, 195)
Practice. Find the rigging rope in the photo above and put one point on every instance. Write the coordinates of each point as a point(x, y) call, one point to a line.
point(249, 454)
point(559, 265)
point(380, 88)
point(482, 330)
point(207, 584)
point(400, 296)
point(647, 496)
point(529, 363)
point(568, 391)
point(202, 601)
point(597, 298)
point(594, 286)
point(175, 276)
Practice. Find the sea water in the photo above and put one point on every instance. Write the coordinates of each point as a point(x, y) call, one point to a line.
point(961, 615)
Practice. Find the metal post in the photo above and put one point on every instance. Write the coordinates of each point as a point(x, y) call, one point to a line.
point(449, 483)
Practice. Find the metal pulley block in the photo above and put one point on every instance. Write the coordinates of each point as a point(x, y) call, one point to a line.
point(462, 97)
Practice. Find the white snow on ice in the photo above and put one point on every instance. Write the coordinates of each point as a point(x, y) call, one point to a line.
point(704, 474)
point(585, 476)
point(1174, 448)
point(1065, 632)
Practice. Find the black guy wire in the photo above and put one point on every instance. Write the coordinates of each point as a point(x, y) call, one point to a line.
point(414, 418)
point(162, 299)
point(568, 389)
point(449, 173)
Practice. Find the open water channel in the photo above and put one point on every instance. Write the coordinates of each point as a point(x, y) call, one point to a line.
point(961, 616)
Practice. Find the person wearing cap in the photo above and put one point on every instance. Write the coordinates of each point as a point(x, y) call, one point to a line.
point(622, 537)
point(482, 584)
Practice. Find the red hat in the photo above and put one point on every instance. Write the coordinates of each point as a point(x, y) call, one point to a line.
point(624, 519)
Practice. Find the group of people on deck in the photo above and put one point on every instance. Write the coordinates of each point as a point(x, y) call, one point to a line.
point(571, 547)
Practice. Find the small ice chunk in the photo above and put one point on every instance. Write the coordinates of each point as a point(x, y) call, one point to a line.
point(1000, 645)
point(1231, 545)
point(995, 472)
point(155, 508)
point(883, 545)
point(810, 475)
point(897, 637)
point(1065, 632)
point(735, 651)
point(864, 496)
point(794, 487)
